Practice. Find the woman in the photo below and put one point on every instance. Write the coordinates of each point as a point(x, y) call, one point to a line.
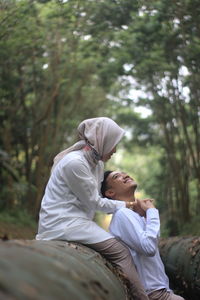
point(72, 197)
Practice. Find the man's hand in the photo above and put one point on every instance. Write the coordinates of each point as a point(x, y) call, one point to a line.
point(130, 205)
point(136, 206)
point(146, 203)
point(141, 205)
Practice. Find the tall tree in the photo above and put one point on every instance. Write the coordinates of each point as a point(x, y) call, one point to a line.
point(160, 46)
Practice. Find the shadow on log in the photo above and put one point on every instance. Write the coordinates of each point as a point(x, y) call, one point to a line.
point(181, 257)
point(56, 270)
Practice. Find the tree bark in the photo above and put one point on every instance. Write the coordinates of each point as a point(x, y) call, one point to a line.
point(56, 270)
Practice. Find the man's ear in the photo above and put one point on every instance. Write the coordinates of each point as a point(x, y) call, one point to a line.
point(110, 194)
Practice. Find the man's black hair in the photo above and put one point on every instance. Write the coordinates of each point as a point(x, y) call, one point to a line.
point(104, 185)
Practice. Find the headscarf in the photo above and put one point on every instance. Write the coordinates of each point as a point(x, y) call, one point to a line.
point(101, 135)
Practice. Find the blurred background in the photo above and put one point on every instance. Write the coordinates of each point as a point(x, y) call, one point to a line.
point(137, 62)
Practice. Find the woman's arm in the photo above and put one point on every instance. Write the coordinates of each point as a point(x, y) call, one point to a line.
point(83, 185)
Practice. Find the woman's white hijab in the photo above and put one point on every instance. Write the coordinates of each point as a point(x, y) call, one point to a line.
point(100, 134)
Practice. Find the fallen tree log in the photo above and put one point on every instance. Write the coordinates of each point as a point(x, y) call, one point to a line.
point(181, 257)
point(56, 270)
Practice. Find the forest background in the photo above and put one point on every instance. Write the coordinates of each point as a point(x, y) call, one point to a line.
point(137, 62)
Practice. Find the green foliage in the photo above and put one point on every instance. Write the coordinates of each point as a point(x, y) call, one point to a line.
point(18, 217)
point(63, 61)
point(51, 78)
point(192, 228)
point(160, 46)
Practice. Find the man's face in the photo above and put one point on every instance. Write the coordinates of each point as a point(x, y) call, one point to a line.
point(119, 183)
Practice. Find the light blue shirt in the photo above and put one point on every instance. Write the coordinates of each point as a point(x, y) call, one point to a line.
point(142, 235)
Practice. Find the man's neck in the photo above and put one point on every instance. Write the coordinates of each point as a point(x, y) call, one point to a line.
point(127, 197)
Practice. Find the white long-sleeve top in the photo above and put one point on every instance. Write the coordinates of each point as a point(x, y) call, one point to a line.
point(70, 201)
point(141, 235)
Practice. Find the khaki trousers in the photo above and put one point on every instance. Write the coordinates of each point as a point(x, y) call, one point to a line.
point(163, 294)
point(119, 255)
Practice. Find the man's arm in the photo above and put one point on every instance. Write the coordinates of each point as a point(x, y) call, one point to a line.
point(139, 235)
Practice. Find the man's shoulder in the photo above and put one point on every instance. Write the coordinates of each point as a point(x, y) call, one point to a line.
point(122, 218)
point(126, 213)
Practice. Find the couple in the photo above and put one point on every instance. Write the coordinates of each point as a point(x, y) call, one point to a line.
point(72, 196)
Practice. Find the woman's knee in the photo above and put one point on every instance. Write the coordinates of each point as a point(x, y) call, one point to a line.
point(122, 251)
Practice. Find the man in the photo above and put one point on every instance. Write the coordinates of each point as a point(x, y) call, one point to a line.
point(139, 230)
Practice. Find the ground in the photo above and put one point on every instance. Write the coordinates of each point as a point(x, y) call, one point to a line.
point(13, 231)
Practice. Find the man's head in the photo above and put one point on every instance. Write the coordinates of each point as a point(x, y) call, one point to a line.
point(117, 185)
